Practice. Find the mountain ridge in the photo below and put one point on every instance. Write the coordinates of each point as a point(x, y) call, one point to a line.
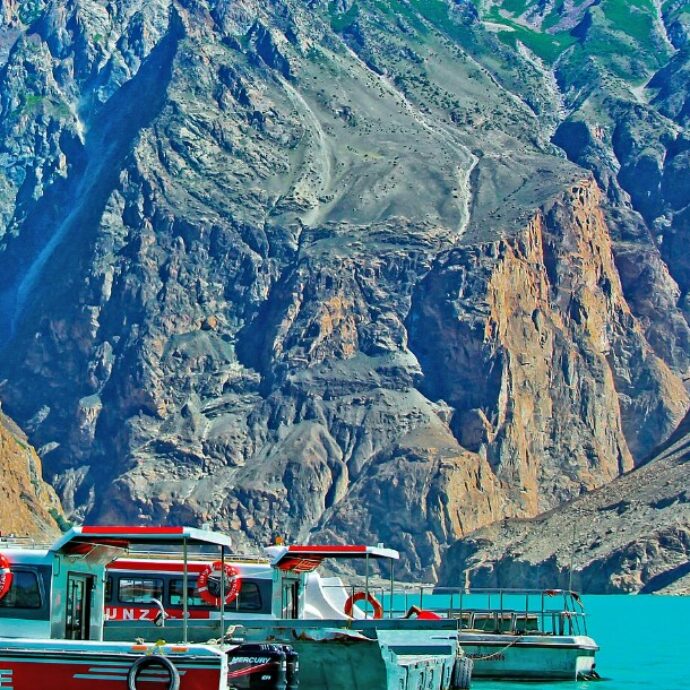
point(293, 267)
point(629, 536)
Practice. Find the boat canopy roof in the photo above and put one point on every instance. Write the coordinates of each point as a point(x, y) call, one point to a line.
point(305, 558)
point(122, 536)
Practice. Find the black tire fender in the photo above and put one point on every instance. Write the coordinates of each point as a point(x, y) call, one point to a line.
point(462, 673)
point(144, 662)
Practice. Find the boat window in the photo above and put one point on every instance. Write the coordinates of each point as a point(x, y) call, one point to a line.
point(176, 590)
point(140, 590)
point(108, 589)
point(249, 598)
point(24, 592)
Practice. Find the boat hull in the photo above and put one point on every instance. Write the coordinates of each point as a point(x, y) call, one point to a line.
point(343, 666)
point(529, 657)
point(65, 665)
point(372, 654)
point(339, 654)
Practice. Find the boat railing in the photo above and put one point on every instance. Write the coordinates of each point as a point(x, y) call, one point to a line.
point(10, 541)
point(195, 554)
point(491, 610)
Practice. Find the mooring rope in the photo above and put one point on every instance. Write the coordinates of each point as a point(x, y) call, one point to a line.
point(496, 653)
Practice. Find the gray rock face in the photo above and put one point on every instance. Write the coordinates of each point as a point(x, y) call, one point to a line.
point(632, 535)
point(318, 269)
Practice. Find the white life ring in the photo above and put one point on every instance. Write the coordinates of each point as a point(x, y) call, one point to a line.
point(233, 583)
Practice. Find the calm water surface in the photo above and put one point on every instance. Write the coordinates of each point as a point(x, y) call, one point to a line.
point(644, 640)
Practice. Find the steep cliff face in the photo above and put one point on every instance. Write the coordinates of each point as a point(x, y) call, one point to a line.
point(532, 343)
point(632, 535)
point(634, 140)
point(317, 269)
point(28, 506)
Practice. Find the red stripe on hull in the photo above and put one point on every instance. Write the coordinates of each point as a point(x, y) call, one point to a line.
point(160, 566)
point(90, 675)
point(120, 529)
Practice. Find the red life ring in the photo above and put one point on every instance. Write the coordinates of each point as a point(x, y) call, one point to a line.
point(364, 596)
point(5, 575)
point(233, 583)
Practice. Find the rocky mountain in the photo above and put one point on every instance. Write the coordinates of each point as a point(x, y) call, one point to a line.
point(632, 535)
point(388, 270)
point(28, 506)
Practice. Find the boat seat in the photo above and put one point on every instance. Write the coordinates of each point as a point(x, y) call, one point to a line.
point(495, 622)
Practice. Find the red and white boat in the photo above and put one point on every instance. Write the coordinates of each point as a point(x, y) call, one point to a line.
point(510, 634)
point(281, 597)
point(52, 618)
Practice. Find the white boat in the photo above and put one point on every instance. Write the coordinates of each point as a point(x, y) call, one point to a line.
point(527, 634)
point(274, 598)
point(531, 657)
point(51, 620)
point(509, 634)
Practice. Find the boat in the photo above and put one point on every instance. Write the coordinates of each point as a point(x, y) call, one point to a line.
point(276, 597)
point(519, 634)
point(52, 621)
point(509, 634)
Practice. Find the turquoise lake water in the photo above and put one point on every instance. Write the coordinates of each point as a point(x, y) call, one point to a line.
point(644, 641)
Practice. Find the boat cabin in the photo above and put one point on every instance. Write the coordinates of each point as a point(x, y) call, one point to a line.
point(25, 608)
point(300, 592)
point(283, 585)
point(59, 592)
point(135, 582)
point(52, 618)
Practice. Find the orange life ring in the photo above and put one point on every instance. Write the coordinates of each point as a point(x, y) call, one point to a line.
point(364, 596)
point(5, 575)
point(233, 583)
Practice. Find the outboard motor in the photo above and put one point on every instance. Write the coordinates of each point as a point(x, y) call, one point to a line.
point(292, 667)
point(257, 667)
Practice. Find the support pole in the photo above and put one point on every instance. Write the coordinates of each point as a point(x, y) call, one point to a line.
point(366, 582)
point(185, 582)
point(390, 610)
point(222, 593)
